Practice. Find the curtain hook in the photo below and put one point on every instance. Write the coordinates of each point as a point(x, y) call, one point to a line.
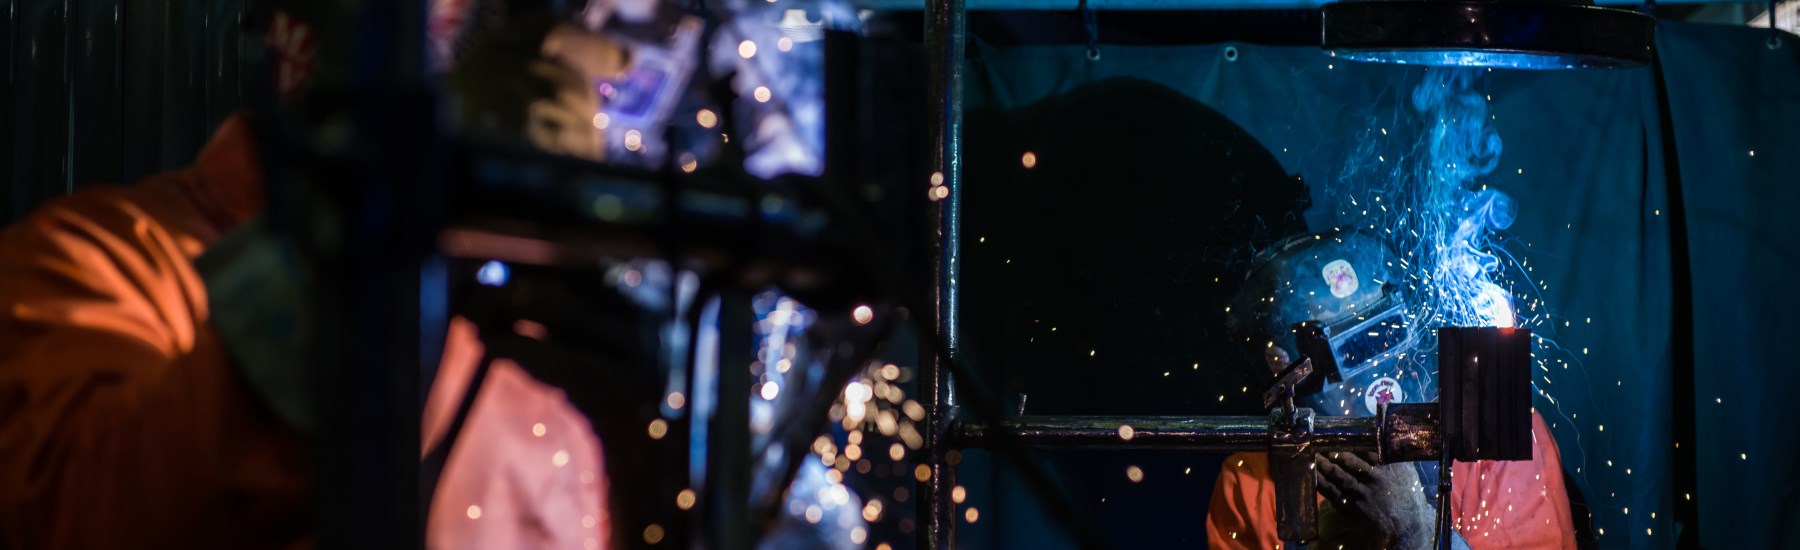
point(1092, 28)
point(1774, 31)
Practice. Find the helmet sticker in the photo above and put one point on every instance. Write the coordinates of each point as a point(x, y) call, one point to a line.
point(1341, 278)
point(1384, 390)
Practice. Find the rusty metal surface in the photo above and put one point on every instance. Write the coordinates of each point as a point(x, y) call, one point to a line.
point(1286, 382)
point(1410, 432)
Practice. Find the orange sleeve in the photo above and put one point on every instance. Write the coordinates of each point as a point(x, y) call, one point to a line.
point(1515, 504)
point(121, 421)
point(1242, 514)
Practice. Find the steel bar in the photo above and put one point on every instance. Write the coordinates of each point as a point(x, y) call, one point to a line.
point(945, 27)
point(1155, 5)
point(728, 464)
point(1167, 433)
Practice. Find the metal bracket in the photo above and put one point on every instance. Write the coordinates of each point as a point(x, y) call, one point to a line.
point(1291, 467)
point(1285, 383)
point(1291, 456)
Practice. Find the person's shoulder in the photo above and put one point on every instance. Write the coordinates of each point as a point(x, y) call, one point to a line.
point(110, 218)
point(87, 210)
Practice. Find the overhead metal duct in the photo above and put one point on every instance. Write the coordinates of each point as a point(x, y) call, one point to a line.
point(1516, 34)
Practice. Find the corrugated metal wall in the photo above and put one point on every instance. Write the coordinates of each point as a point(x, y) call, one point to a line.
point(106, 91)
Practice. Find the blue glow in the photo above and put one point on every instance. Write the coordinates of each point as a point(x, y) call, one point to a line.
point(1472, 58)
point(778, 81)
point(789, 372)
point(817, 513)
point(492, 273)
point(1441, 220)
point(787, 133)
point(1456, 221)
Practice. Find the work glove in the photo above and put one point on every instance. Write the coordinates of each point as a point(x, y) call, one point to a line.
point(1372, 506)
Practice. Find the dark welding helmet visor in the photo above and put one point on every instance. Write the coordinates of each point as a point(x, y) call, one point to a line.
point(1334, 297)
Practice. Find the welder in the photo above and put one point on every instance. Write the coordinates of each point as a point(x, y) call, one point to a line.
point(147, 398)
point(1345, 284)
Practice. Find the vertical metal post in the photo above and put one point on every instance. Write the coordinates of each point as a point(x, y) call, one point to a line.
point(728, 464)
point(373, 281)
point(945, 27)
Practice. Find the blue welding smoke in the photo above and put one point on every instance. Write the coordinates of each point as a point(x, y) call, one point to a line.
point(1455, 216)
point(1451, 225)
point(1445, 226)
point(1430, 201)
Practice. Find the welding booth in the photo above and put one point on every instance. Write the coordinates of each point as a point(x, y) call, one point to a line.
point(984, 263)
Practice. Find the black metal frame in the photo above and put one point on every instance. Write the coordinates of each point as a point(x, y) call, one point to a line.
point(946, 27)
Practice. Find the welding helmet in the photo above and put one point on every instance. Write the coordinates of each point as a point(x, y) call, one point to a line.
point(1334, 298)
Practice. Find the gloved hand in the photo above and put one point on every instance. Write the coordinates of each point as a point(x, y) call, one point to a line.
point(257, 293)
point(1368, 506)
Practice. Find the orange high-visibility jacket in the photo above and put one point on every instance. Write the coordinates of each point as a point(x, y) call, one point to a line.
point(1493, 504)
point(124, 425)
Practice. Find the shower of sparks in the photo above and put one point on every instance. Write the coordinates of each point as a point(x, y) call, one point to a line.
point(1446, 220)
point(872, 425)
point(872, 422)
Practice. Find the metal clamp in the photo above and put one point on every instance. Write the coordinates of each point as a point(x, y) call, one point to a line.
point(1291, 466)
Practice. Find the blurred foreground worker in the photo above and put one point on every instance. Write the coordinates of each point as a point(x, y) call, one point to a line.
point(1335, 280)
point(122, 420)
point(145, 396)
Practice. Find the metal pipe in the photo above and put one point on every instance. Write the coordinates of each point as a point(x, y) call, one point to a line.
point(1152, 5)
point(944, 39)
point(728, 464)
point(945, 27)
point(1399, 432)
point(1167, 433)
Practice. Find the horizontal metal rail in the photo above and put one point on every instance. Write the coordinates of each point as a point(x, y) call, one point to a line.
point(1158, 5)
point(1398, 432)
point(1167, 433)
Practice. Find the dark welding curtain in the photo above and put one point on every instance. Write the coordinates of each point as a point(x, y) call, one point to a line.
point(1736, 108)
point(1583, 158)
point(109, 91)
